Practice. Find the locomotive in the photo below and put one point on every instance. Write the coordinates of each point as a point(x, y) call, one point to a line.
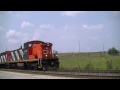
point(33, 55)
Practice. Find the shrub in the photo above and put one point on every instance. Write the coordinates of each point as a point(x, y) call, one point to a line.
point(113, 51)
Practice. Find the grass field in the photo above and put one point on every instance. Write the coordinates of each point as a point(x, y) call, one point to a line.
point(88, 61)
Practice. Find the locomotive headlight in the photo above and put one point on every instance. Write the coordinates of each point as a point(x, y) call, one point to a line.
point(46, 55)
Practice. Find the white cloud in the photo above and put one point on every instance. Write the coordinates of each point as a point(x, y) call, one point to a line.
point(13, 33)
point(25, 38)
point(36, 35)
point(26, 24)
point(71, 13)
point(16, 37)
point(90, 27)
point(46, 26)
point(12, 41)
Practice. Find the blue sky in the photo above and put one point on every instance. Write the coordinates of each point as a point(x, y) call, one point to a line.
point(65, 29)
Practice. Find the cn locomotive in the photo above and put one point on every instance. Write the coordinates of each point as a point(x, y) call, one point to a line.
point(33, 55)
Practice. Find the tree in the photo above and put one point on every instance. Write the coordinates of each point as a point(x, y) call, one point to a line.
point(112, 51)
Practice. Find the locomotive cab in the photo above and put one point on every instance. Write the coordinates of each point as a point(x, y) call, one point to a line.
point(41, 51)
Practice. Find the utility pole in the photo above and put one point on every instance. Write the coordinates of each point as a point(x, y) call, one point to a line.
point(79, 47)
point(103, 49)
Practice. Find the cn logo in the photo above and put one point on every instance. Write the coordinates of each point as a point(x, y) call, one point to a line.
point(45, 51)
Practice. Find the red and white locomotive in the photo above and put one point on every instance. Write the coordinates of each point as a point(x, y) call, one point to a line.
point(34, 55)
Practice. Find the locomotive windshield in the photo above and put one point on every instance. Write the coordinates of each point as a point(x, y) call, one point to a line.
point(44, 44)
point(30, 45)
point(47, 44)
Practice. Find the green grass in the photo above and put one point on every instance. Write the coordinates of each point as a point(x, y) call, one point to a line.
point(88, 61)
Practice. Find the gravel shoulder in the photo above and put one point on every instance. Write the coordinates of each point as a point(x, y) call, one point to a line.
point(16, 75)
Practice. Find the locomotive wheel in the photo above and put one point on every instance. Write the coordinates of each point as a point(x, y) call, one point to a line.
point(44, 67)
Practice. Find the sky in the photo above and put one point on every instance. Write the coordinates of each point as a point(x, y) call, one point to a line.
point(69, 31)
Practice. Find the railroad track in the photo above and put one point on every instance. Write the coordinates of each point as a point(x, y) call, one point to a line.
point(111, 74)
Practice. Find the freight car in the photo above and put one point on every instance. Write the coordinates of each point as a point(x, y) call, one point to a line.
point(33, 55)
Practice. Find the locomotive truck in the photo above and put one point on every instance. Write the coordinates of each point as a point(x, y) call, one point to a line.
point(33, 55)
